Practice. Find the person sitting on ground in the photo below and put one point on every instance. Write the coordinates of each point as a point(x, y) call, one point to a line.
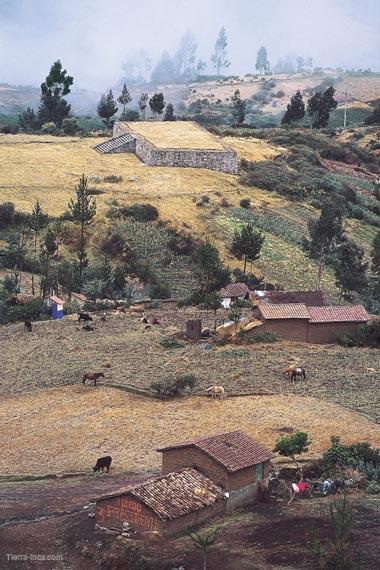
point(327, 486)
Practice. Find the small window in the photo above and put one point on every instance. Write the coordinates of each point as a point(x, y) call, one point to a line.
point(259, 471)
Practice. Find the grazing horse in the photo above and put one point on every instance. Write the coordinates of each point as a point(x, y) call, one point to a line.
point(84, 317)
point(103, 462)
point(92, 376)
point(216, 392)
point(28, 326)
point(298, 372)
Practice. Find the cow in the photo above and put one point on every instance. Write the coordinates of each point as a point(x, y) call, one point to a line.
point(92, 376)
point(103, 462)
point(298, 372)
point(85, 317)
point(216, 392)
point(28, 326)
point(88, 328)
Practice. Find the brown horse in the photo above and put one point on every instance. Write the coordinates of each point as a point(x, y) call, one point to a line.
point(92, 376)
point(298, 372)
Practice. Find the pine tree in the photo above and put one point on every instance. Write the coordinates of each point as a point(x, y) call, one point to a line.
point(350, 271)
point(219, 57)
point(83, 211)
point(262, 63)
point(238, 108)
point(143, 102)
point(107, 108)
point(169, 113)
point(295, 110)
point(247, 244)
point(319, 107)
point(324, 235)
point(38, 221)
point(209, 269)
point(125, 97)
point(53, 107)
point(157, 104)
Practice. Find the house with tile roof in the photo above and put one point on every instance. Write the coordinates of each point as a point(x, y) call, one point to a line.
point(167, 504)
point(319, 325)
point(234, 461)
point(233, 292)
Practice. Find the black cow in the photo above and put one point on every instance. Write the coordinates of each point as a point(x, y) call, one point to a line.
point(85, 317)
point(28, 325)
point(103, 462)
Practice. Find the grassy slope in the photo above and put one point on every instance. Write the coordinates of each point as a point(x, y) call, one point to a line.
point(47, 168)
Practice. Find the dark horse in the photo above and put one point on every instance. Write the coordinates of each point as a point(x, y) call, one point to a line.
point(298, 372)
point(84, 317)
point(92, 376)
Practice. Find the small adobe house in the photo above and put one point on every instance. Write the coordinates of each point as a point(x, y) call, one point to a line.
point(56, 307)
point(319, 325)
point(233, 461)
point(233, 292)
point(168, 504)
point(170, 143)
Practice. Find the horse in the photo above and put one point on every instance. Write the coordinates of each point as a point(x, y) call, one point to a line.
point(92, 376)
point(298, 372)
point(28, 325)
point(84, 317)
point(216, 392)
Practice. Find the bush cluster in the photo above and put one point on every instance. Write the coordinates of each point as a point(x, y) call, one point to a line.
point(172, 388)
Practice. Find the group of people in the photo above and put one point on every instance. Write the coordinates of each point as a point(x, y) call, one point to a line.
point(328, 487)
point(148, 322)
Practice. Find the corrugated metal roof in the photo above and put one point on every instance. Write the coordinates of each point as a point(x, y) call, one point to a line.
point(309, 298)
point(234, 290)
point(234, 450)
point(176, 494)
point(286, 311)
point(115, 142)
point(333, 314)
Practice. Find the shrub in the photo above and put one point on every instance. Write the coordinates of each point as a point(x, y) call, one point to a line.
point(33, 310)
point(373, 489)
point(245, 203)
point(112, 179)
point(70, 125)
point(130, 115)
point(171, 388)
point(265, 337)
point(160, 290)
point(49, 128)
point(366, 335)
point(340, 456)
point(7, 214)
point(140, 212)
point(171, 343)
point(9, 129)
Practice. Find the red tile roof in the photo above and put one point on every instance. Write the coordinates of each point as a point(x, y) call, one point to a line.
point(176, 494)
point(288, 311)
point(331, 314)
point(234, 290)
point(234, 450)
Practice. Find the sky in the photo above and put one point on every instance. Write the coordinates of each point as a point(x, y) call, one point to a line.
point(93, 37)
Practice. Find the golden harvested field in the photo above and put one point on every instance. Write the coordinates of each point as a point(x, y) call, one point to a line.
point(66, 429)
point(176, 134)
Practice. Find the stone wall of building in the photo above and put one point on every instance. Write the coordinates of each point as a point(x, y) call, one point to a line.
point(222, 160)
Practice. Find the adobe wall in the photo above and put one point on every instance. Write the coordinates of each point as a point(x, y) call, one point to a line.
point(112, 512)
point(327, 333)
point(126, 147)
point(183, 457)
point(288, 329)
point(178, 525)
point(222, 160)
